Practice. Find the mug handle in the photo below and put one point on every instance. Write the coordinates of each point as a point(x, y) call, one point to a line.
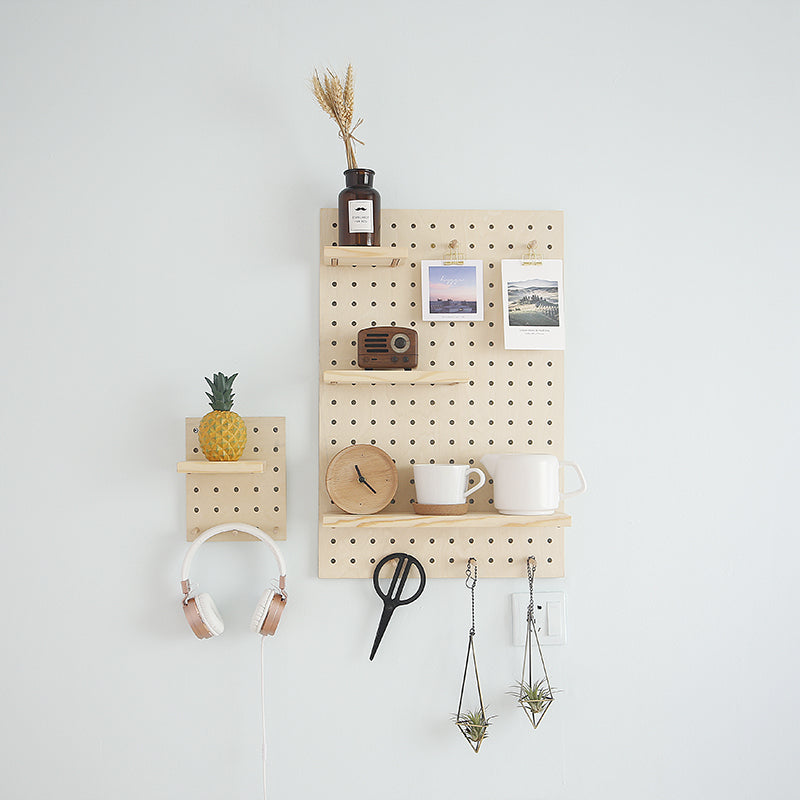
point(475, 488)
point(582, 488)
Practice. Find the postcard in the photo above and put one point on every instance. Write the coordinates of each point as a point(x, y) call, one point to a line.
point(452, 291)
point(533, 304)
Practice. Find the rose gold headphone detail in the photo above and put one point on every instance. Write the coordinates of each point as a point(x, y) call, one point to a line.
point(201, 612)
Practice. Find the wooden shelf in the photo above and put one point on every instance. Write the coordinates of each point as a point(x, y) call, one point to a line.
point(221, 467)
point(489, 519)
point(385, 376)
point(364, 256)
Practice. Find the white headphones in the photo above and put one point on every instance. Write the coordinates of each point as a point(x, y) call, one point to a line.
point(201, 612)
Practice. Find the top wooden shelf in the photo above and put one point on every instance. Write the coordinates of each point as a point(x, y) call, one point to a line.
point(364, 256)
point(221, 467)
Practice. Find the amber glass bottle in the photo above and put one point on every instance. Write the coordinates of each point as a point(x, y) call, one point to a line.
point(359, 210)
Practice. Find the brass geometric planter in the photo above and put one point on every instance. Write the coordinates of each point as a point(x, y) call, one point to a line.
point(472, 723)
point(534, 697)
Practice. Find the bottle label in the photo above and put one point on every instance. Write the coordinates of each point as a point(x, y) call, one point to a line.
point(360, 214)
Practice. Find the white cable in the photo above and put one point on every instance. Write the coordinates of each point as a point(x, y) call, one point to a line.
point(263, 722)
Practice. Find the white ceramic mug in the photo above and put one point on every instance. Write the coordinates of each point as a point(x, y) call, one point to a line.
point(444, 484)
point(528, 483)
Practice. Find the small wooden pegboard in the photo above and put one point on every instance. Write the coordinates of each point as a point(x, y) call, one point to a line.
point(255, 498)
point(513, 401)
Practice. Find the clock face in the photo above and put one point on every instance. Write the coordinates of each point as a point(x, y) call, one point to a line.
point(361, 479)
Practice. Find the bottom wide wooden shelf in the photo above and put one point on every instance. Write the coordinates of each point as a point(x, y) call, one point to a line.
point(350, 546)
point(473, 519)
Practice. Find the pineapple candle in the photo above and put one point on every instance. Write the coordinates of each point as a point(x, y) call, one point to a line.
point(222, 432)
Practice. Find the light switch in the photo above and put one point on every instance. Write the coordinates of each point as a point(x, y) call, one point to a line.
point(553, 617)
point(549, 613)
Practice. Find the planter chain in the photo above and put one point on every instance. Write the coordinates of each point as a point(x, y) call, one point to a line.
point(472, 579)
point(531, 573)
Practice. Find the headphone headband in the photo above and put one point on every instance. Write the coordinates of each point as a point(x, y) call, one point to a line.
point(225, 528)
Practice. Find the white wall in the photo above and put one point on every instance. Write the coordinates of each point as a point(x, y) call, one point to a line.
point(161, 170)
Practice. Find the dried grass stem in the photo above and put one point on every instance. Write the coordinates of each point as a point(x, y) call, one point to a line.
point(337, 101)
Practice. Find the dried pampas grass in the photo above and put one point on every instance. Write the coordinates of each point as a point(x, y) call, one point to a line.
point(337, 101)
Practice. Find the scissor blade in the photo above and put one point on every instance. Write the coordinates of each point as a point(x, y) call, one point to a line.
point(388, 610)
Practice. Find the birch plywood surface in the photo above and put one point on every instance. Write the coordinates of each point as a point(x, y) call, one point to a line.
point(512, 401)
point(257, 498)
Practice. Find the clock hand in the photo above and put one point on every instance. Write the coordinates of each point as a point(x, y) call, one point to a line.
point(362, 479)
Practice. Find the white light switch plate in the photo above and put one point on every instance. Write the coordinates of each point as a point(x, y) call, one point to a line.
point(549, 613)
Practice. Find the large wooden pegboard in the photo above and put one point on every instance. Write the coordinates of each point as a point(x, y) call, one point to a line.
point(512, 403)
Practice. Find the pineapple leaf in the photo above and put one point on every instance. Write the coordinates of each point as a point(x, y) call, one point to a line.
point(221, 395)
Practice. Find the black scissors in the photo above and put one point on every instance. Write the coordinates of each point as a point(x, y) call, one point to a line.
point(392, 598)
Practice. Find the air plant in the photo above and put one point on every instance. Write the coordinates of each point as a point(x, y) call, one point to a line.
point(474, 726)
point(533, 697)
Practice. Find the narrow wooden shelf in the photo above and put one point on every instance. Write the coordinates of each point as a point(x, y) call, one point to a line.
point(490, 519)
point(221, 467)
point(364, 256)
point(385, 376)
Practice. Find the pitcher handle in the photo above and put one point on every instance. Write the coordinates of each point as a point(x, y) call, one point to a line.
point(582, 488)
point(477, 486)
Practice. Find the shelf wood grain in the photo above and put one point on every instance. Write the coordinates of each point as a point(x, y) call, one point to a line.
point(364, 256)
point(386, 376)
point(221, 467)
point(470, 520)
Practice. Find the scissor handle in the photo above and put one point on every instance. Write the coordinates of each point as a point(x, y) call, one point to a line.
point(405, 561)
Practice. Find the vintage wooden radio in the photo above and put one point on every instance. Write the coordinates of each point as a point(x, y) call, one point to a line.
point(387, 347)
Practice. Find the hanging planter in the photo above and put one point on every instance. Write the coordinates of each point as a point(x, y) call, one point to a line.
point(473, 723)
point(533, 697)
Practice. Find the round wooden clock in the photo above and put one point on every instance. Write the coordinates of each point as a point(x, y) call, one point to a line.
point(361, 479)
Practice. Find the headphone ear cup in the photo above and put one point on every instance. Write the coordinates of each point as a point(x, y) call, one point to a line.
point(268, 613)
point(209, 614)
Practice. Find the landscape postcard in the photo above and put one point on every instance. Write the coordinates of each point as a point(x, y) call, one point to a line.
point(533, 305)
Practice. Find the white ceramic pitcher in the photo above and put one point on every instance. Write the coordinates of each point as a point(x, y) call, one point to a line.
point(528, 483)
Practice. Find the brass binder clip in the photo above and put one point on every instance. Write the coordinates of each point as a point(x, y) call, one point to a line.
point(532, 258)
point(453, 255)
